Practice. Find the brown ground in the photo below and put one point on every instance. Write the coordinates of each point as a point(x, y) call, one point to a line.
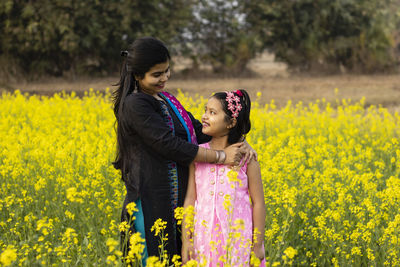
point(378, 89)
point(274, 81)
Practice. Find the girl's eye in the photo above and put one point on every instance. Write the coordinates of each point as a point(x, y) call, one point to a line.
point(212, 112)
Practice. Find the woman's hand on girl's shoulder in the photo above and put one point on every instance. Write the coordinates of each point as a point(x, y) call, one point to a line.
point(248, 152)
point(233, 154)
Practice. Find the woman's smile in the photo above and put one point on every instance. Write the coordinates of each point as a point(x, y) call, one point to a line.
point(155, 79)
point(161, 86)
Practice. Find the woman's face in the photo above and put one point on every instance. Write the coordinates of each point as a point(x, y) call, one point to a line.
point(154, 80)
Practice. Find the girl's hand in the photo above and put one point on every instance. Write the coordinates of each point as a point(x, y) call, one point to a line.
point(233, 154)
point(248, 152)
point(259, 252)
point(187, 252)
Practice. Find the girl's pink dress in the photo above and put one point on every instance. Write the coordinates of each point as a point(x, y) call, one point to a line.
point(223, 216)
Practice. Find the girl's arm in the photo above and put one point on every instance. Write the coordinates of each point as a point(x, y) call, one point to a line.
point(187, 222)
point(257, 197)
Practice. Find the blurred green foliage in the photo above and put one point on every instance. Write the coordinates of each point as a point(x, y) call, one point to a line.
point(71, 37)
point(220, 36)
point(358, 35)
point(68, 37)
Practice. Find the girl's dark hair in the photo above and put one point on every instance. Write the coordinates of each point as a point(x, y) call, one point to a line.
point(243, 125)
point(140, 57)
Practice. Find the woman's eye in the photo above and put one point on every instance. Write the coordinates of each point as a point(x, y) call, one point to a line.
point(212, 112)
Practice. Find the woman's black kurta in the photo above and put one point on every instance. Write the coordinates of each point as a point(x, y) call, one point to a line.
point(151, 143)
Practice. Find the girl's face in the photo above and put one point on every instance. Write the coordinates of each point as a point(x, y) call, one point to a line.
point(214, 119)
point(154, 80)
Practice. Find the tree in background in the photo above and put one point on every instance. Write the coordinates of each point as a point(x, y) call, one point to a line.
point(69, 37)
point(72, 37)
point(218, 35)
point(327, 34)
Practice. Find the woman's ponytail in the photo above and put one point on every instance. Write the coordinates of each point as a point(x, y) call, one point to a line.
point(141, 56)
point(125, 85)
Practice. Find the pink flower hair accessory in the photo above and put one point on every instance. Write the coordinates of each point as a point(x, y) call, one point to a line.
point(234, 103)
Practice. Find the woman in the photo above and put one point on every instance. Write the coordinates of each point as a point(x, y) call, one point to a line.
point(157, 140)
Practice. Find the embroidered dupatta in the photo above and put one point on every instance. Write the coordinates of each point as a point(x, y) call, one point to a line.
point(184, 118)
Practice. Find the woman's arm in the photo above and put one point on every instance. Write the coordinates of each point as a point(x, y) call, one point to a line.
point(232, 155)
point(141, 115)
point(256, 192)
point(246, 150)
point(187, 222)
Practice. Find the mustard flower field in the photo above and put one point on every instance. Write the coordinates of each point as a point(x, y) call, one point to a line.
point(330, 174)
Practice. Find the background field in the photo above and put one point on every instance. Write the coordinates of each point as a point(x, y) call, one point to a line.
point(270, 78)
point(377, 89)
point(330, 176)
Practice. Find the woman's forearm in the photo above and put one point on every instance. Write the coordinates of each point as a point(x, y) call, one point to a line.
point(231, 155)
point(206, 155)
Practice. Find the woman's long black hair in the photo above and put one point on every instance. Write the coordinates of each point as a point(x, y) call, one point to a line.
point(243, 125)
point(140, 57)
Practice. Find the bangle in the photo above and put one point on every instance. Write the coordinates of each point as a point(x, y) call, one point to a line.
point(216, 156)
point(222, 159)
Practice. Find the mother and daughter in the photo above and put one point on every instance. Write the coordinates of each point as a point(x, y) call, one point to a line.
point(164, 167)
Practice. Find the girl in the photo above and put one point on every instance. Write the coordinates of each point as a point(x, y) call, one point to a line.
point(157, 139)
point(229, 205)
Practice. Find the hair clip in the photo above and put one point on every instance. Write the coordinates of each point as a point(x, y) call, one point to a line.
point(124, 53)
point(234, 108)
